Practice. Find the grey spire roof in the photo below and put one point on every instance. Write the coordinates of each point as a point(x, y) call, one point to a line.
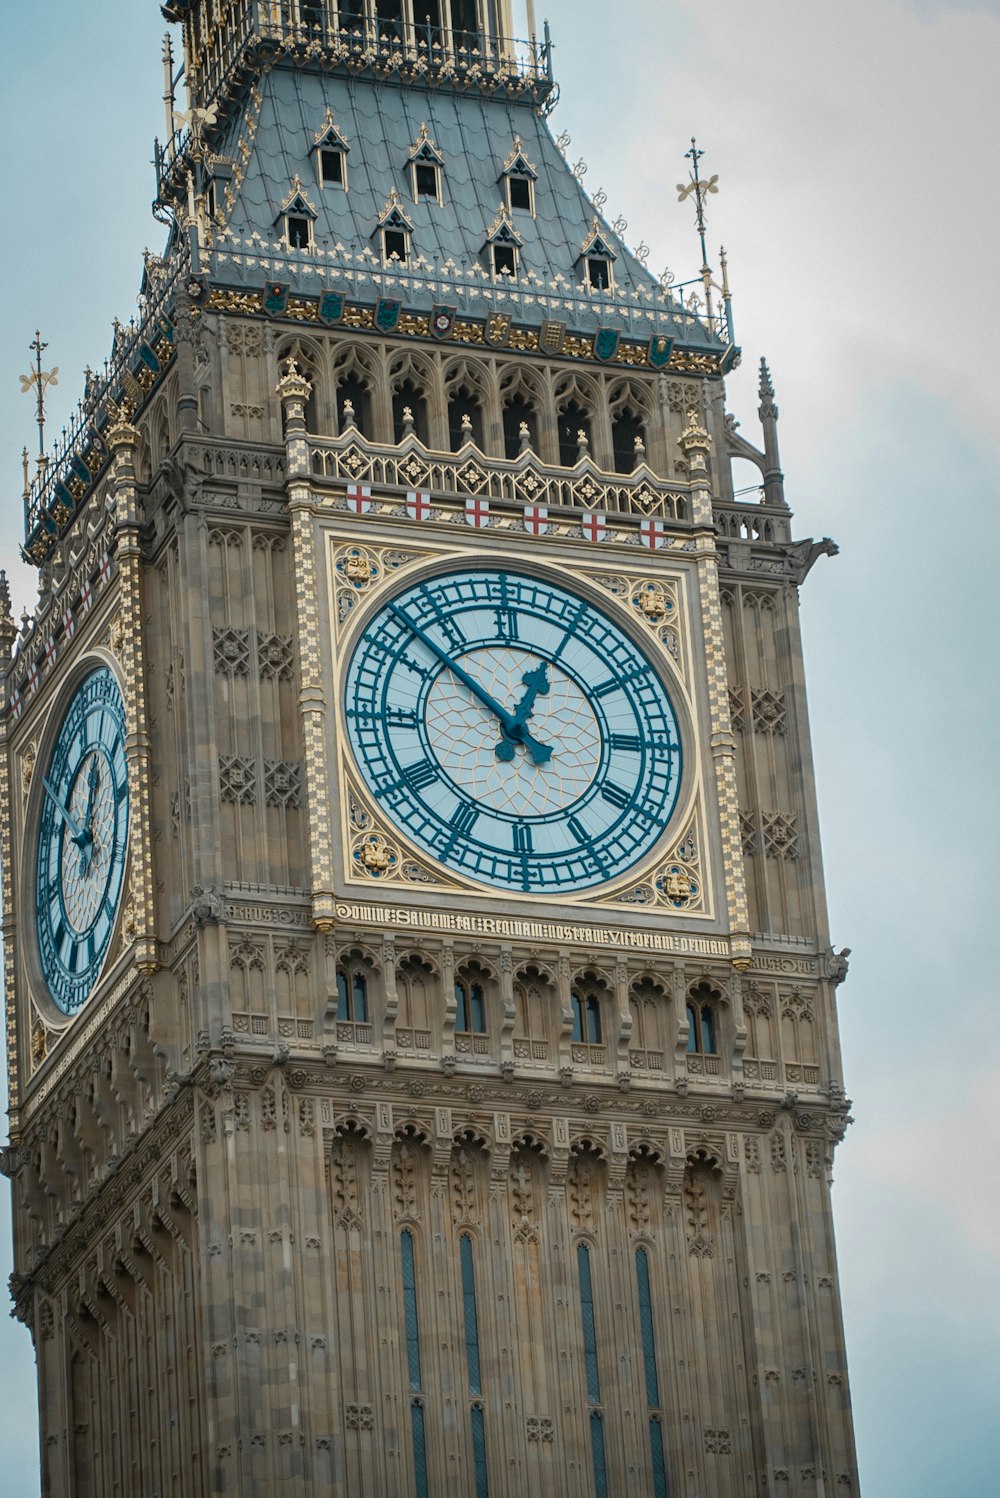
point(475, 136)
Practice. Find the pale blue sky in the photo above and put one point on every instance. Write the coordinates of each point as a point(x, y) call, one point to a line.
point(858, 203)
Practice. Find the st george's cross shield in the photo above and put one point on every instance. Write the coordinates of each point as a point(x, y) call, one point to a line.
point(418, 504)
point(536, 520)
point(595, 527)
point(652, 534)
point(477, 513)
point(359, 498)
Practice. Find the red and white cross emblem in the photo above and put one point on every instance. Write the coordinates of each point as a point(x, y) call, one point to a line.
point(105, 568)
point(16, 705)
point(536, 519)
point(595, 527)
point(51, 651)
point(69, 622)
point(418, 504)
point(477, 512)
point(86, 597)
point(652, 534)
point(359, 498)
point(32, 681)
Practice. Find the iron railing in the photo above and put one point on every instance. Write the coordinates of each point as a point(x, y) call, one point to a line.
point(79, 454)
point(254, 33)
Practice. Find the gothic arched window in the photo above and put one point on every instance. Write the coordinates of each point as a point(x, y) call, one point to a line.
point(465, 418)
point(353, 393)
point(628, 433)
point(703, 1028)
point(352, 996)
point(587, 1027)
point(574, 432)
point(408, 399)
point(470, 1007)
point(519, 414)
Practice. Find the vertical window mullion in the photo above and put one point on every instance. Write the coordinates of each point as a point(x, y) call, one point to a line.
point(597, 1451)
point(477, 1417)
point(412, 1327)
point(660, 1485)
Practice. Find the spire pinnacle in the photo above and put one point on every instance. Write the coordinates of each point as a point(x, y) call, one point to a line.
point(39, 380)
point(700, 189)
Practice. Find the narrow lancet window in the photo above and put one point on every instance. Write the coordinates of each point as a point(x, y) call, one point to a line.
point(413, 1365)
point(655, 1413)
point(597, 1451)
point(477, 1417)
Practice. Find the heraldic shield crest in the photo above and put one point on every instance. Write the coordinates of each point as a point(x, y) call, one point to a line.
point(660, 349)
point(606, 343)
point(442, 320)
point(275, 298)
point(331, 307)
point(387, 312)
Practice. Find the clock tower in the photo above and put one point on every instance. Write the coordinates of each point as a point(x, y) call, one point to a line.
point(420, 1004)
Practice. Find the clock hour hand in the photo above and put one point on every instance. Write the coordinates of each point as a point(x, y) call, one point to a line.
point(540, 753)
point(537, 682)
point(87, 846)
point(78, 835)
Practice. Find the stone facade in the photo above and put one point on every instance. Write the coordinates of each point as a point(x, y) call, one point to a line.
point(283, 1226)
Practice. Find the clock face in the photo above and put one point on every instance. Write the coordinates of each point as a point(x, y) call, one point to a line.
point(82, 840)
point(513, 731)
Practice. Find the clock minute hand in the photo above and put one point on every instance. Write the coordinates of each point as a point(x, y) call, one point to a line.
point(540, 753)
point(79, 836)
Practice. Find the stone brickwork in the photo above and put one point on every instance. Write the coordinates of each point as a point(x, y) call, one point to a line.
point(284, 1222)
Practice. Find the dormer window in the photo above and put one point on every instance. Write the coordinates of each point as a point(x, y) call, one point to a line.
point(598, 260)
point(331, 168)
point(599, 272)
point(299, 231)
point(296, 218)
point(504, 260)
point(426, 166)
point(395, 244)
point(520, 195)
point(330, 150)
point(519, 178)
point(503, 245)
point(395, 230)
point(425, 181)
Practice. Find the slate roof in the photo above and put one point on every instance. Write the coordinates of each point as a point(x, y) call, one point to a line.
point(475, 135)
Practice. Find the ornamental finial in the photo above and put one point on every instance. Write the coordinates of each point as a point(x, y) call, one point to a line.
point(39, 380)
point(700, 189)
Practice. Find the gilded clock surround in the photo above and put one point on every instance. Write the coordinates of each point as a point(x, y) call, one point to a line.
point(314, 1059)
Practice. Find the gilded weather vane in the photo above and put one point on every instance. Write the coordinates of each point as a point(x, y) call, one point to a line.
point(39, 380)
point(700, 189)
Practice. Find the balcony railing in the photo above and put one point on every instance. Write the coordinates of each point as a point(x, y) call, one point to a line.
point(403, 44)
point(141, 350)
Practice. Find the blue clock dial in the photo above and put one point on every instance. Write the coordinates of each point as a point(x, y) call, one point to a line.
point(82, 840)
point(514, 731)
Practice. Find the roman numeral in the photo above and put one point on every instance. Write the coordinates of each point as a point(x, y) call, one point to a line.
point(606, 688)
point(614, 795)
point(420, 775)
point(399, 717)
point(579, 831)
point(626, 743)
point(465, 819)
point(448, 626)
point(507, 624)
point(523, 841)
